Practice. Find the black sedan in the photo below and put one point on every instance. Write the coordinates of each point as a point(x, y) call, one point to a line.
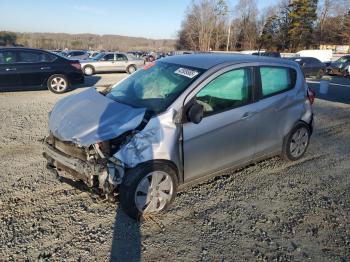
point(311, 66)
point(34, 67)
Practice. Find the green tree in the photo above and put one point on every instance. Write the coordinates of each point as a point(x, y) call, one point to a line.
point(7, 38)
point(303, 15)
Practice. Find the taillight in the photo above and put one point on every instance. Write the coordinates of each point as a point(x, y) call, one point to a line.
point(77, 65)
point(311, 94)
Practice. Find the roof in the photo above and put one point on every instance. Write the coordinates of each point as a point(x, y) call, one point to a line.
point(208, 60)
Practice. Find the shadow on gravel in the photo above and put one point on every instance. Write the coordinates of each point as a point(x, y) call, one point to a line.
point(89, 81)
point(126, 242)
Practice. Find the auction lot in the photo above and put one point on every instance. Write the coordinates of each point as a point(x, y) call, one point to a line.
point(274, 210)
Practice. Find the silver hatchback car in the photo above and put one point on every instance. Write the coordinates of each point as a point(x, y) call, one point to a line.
point(111, 62)
point(177, 122)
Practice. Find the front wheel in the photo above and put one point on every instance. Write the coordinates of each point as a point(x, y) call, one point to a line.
point(296, 142)
point(57, 84)
point(149, 188)
point(89, 70)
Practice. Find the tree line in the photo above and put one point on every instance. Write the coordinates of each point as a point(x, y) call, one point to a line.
point(289, 25)
point(55, 41)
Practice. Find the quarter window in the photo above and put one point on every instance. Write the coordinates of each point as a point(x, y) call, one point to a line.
point(275, 80)
point(229, 90)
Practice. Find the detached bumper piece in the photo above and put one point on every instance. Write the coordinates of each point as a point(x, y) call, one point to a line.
point(105, 175)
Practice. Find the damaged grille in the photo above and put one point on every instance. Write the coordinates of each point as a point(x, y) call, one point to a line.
point(68, 148)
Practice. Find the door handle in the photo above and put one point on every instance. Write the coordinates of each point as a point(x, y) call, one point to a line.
point(10, 69)
point(45, 67)
point(248, 115)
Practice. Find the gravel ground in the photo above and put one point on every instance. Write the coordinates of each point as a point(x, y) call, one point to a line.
point(271, 211)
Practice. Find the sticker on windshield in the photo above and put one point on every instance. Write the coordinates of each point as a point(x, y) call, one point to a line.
point(186, 72)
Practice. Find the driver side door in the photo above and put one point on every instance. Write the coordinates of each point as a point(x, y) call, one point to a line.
point(226, 136)
point(107, 63)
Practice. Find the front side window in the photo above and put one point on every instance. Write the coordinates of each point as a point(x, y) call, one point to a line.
point(7, 57)
point(275, 80)
point(155, 87)
point(229, 90)
point(108, 57)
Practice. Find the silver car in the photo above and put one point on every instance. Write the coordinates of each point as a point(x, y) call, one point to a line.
point(112, 62)
point(177, 122)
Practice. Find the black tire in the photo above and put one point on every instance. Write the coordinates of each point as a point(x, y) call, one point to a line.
point(287, 151)
point(132, 179)
point(58, 84)
point(131, 69)
point(89, 70)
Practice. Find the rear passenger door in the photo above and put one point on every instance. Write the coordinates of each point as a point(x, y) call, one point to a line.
point(34, 67)
point(8, 69)
point(276, 105)
point(121, 62)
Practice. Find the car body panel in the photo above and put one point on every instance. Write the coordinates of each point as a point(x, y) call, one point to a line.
point(101, 119)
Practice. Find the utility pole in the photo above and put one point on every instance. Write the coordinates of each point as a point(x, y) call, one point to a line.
point(228, 36)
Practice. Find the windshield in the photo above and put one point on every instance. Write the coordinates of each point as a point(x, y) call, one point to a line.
point(155, 87)
point(99, 56)
point(343, 59)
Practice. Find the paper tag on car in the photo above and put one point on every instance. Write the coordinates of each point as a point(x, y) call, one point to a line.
point(186, 72)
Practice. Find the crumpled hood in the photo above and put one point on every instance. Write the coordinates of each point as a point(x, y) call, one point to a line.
point(90, 117)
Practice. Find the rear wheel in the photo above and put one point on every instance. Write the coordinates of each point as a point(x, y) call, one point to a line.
point(148, 189)
point(131, 69)
point(57, 84)
point(296, 142)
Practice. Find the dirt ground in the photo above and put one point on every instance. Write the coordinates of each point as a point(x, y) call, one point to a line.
point(271, 211)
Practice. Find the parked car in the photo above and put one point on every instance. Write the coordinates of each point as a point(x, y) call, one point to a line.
point(310, 66)
point(180, 121)
point(270, 54)
point(112, 62)
point(75, 54)
point(31, 67)
point(340, 66)
point(324, 56)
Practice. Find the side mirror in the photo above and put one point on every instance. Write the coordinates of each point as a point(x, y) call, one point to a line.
point(195, 113)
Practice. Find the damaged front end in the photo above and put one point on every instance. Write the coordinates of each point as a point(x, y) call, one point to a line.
point(91, 164)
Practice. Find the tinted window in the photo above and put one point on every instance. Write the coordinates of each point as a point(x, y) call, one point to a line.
point(121, 57)
point(7, 57)
point(275, 80)
point(35, 57)
point(229, 90)
point(108, 57)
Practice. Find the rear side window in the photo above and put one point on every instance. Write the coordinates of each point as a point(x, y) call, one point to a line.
point(7, 57)
point(275, 80)
point(35, 57)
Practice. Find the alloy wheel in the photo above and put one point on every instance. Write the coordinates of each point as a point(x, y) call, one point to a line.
point(299, 142)
point(153, 192)
point(58, 84)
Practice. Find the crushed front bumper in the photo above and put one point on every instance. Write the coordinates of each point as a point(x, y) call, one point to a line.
point(78, 168)
point(106, 175)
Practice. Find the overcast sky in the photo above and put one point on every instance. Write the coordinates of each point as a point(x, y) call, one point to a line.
point(146, 18)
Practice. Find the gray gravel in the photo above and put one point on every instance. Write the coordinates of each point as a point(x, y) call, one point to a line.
point(271, 211)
